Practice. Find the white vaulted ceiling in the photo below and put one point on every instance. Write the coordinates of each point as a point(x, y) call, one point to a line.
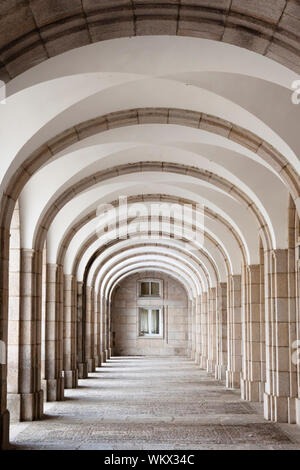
point(172, 152)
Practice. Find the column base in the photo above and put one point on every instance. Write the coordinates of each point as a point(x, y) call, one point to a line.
point(91, 365)
point(276, 408)
point(203, 362)
point(220, 372)
point(292, 410)
point(40, 404)
point(71, 378)
point(53, 389)
point(97, 361)
point(31, 406)
point(102, 357)
point(297, 409)
point(233, 379)
point(83, 370)
point(252, 391)
point(106, 354)
point(4, 430)
point(14, 407)
point(197, 358)
point(210, 366)
point(268, 408)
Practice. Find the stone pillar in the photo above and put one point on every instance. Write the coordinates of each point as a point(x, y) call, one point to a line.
point(262, 323)
point(192, 309)
point(13, 397)
point(60, 339)
point(53, 381)
point(293, 315)
point(203, 326)
point(198, 330)
point(81, 361)
point(212, 331)
point(29, 362)
point(280, 392)
point(189, 327)
point(38, 323)
point(105, 330)
point(4, 413)
point(252, 386)
point(89, 328)
point(108, 329)
point(69, 356)
point(221, 366)
point(234, 333)
point(294, 384)
point(101, 340)
point(97, 352)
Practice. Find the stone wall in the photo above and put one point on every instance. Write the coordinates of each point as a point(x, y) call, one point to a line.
point(125, 329)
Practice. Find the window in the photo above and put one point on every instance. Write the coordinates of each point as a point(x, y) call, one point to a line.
point(150, 322)
point(150, 289)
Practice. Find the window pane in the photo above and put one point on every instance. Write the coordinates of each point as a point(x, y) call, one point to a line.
point(144, 327)
point(155, 322)
point(145, 288)
point(155, 288)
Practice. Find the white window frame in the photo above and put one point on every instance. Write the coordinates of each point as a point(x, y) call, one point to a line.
point(158, 281)
point(161, 322)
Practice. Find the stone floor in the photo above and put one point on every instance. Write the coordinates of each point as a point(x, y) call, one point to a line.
point(153, 403)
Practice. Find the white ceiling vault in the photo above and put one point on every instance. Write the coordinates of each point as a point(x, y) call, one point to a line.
point(154, 119)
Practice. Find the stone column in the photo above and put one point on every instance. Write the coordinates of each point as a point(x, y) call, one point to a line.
point(212, 332)
point(108, 329)
point(293, 320)
point(89, 328)
point(192, 309)
point(101, 332)
point(262, 323)
point(221, 366)
point(105, 329)
point(53, 381)
point(293, 316)
point(14, 397)
point(4, 413)
point(29, 362)
point(234, 333)
point(69, 356)
point(60, 339)
point(97, 352)
point(198, 330)
point(280, 391)
point(204, 313)
point(81, 361)
point(252, 386)
point(189, 330)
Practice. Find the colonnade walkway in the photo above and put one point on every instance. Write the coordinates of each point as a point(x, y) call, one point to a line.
point(153, 403)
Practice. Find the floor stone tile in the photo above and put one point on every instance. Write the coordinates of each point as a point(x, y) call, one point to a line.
point(153, 403)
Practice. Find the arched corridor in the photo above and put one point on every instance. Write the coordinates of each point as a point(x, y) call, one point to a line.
point(149, 221)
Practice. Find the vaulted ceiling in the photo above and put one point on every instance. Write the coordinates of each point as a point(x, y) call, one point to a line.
point(181, 102)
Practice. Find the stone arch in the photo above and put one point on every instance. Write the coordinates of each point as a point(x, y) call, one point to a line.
point(88, 217)
point(144, 166)
point(43, 33)
point(132, 117)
